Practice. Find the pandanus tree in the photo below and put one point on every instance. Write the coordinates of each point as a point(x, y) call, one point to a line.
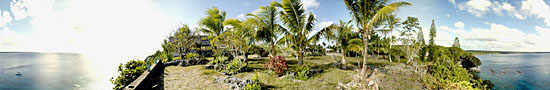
point(267, 29)
point(298, 26)
point(340, 33)
point(367, 14)
point(213, 24)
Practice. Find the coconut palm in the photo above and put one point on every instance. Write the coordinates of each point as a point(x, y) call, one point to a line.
point(340, 33)
point(268, 29)
point(213, 24)
point(367, 14)
point(392, 22)
point(241, 35)
point(299, 25)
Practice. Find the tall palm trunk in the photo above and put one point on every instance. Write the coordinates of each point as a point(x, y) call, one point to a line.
point(273, 52)
point(343, 57)
point(365, 53)
point(300, 54)
point(391, 40)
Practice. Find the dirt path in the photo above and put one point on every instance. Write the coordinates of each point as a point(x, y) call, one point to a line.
point(189, 78)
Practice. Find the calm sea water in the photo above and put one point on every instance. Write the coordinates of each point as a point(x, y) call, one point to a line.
point(517, 71)
point(54, 71)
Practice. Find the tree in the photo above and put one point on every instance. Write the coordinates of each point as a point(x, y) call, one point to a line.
point(340, 33)
point(213, 25)
point(299, 25)
point(411, 25)
point(432, 33)
point(368, 13)
point(240, 35)
point(456, 43)
point(268, 29)
point(420, 38)
point(392, 22)
point(432, 48)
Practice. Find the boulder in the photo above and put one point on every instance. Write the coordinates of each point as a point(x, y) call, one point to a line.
point(474, 69)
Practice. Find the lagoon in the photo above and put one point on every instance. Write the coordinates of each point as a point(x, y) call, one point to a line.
point(525, 71)
point(54, 71)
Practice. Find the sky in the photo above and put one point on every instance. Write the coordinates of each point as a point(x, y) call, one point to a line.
point(136, 28)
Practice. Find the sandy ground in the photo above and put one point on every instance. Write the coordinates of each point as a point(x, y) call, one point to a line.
point(189, 78)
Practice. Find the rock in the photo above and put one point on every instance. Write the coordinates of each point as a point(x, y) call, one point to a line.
point(475, 69)
point(209, 66)
point(234, 82)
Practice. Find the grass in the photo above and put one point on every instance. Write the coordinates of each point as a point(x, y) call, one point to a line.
point(327, 80)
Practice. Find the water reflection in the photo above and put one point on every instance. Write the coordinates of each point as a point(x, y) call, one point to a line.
point(55, 71)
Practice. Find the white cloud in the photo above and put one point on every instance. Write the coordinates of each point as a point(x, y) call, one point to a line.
point(476, 7)
point(536, 8)
point(452, 2)
point(7, 37)
point(18, 9)
point(310, 4)
point(459, 25)
point(499, 37)
point(528, 8)
point(323, 24)
point(5, 18)
point(448, 15)
point(241, 16)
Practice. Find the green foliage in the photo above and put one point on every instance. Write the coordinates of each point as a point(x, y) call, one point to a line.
point(236, 66)
point(128, 73)
point(432, 33)
point(456, 43)
point(446, 71)
point(302, 72)
point(191, 55)
point(256, 85)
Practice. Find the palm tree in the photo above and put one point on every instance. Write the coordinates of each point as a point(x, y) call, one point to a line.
point(241, 35)
point(299, 25)
point(268, 29)
point(340, 33)
point(213, 24)
point(368, 14)
point(392, 22)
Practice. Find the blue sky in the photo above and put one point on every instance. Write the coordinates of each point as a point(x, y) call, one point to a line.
point(137, 27)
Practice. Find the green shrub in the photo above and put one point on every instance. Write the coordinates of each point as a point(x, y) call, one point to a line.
point(177, 58)
point(191, 55)
point(256, 85)
point(128, 73)
point(236, 66)
point(302, 72)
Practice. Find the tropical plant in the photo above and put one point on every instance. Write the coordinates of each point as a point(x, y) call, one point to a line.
point(268, 29)
point(255, 85)
point(213, 25)
point(236, 66)
point(299, 25)
point(340, 33)
point(240, 36)
point(128, 73)
point(367, 14)
point(411, 24)
point(302, 72)
point(392, 22)
point(277, 64)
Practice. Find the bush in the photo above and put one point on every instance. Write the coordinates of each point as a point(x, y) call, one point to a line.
point(128, 73)
point(277, 64)
point(256, 85)
point(236, 66)
point(302, 72)
point(190, 55)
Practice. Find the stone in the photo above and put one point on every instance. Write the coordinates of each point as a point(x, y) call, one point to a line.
point(475, 69)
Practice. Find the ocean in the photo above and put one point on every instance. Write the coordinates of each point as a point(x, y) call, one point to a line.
point(54, 71)
point(528, 71)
